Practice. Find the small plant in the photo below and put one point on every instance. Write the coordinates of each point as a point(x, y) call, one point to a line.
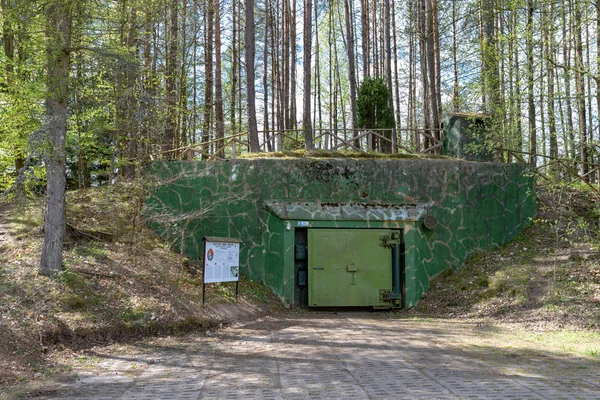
point(593, 352)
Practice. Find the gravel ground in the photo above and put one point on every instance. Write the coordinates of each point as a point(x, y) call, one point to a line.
point(352, 355)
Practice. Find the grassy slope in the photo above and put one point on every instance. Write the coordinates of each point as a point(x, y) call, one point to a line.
point(548, 278)
point(119, 281)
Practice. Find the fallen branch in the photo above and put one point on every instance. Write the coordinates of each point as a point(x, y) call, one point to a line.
point(83, 271)
point(99, 236)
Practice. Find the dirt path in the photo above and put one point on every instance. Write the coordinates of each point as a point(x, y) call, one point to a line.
point(334, 356)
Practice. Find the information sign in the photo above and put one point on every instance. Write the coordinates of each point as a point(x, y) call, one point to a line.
point(221, 261)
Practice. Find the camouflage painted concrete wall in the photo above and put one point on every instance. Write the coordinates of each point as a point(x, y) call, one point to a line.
point(478, 206)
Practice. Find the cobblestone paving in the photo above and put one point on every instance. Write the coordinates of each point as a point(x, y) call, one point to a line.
point(328, 356)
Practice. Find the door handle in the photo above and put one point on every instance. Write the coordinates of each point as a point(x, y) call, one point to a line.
point(352, 268)
point(319, 268)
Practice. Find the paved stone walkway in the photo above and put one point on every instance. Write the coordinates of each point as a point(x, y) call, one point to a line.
point(329, 356)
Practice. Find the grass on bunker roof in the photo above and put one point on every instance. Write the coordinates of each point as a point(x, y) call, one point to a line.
point(325, 154)
point(119, 281)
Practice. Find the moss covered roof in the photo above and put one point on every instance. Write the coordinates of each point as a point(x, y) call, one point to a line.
point(339, 154)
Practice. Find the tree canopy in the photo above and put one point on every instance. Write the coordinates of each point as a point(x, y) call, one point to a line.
point(183, 79)
point(372, 104)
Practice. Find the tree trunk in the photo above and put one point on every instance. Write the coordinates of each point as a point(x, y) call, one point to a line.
point(424, 75)
point(239, 43)
point(374, 41)
point(530, 88)
point(438, 73)
point(275, 105)
point(208, 76)
point(234, 66)
point(597, 5)
point(219, 118)
point(308, 138)
point(318, 87)
point(194, 122)
point(365, 38)
point(568, 37)
point(455, 97)
point(267, 134)
point(549, 37)
point(430, 10)
point(83, 175)
point(518, 131)
point(285, 70)
point(580, 91)
point(149, 82)
point(58, 33)
point(351, 70)
point(182, 111)
point(250, 51)
point(501, 50)
point(393, 147)
point(398, 124)
point(130, 100)
point(293, 107)
point(412, 91)
point(8, 40)
point(170, 80)
point(588, 78)
point(490, 63)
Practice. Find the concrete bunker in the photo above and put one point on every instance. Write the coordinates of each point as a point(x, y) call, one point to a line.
point(345, 232)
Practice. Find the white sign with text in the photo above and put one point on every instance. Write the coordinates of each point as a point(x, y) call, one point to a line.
point(221, 262)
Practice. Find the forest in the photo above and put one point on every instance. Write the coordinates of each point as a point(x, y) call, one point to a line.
point(92, 91)
point(130, 81)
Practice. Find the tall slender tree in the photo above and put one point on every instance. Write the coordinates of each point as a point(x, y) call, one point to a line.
point(249, 55)
point(388, 72)
point(530, 84)
point(234, 66)
point(351, 69)
point(568, 37)
point(307, 126)
point(208, 76)
point(580, 89)
point(550, 49)
point(59, 14)
point(219, 117)
point(171, 79)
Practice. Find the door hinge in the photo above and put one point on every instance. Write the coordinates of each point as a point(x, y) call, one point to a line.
point(390, 240)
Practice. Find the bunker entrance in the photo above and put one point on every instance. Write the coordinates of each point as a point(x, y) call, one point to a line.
point(443, 210)
point(349, 267)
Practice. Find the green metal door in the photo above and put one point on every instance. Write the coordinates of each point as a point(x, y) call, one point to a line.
point(348, 267)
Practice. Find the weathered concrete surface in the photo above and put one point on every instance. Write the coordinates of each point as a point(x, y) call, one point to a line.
point(333, 356)
point(263, 202)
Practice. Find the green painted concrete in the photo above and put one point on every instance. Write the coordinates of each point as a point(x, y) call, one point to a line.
point(478, 205)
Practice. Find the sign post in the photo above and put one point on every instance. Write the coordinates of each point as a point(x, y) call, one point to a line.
point(221, 262)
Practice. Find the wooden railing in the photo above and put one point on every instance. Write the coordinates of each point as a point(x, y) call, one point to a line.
point(409, 141)
point(558, 168)
point(361, 140)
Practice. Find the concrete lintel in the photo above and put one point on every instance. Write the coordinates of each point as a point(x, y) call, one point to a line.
point(311, 211)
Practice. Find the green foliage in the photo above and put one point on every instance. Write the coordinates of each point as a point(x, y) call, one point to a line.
point(511, 282)
point(483, 138)
point(76, 292)
point(373, 109)
point(21, 93)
